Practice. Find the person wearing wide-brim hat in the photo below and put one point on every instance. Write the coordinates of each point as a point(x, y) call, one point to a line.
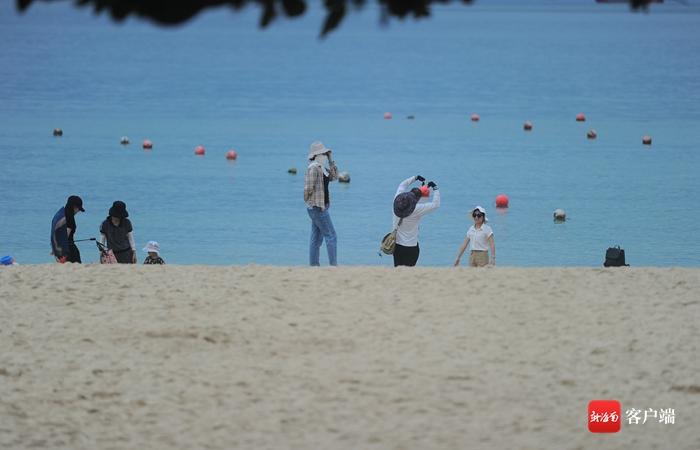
point(116, 233)
point(481, 237)
point(153, 250)
point(318, 201)
point(408, 212)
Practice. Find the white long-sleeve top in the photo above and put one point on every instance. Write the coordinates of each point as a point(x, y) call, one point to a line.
point(407, 233)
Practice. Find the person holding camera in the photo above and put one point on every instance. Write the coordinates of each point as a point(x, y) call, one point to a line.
point(406, 207)
point(318, 201)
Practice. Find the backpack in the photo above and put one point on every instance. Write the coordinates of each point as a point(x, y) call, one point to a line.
point(389, 241)
point(615, 257)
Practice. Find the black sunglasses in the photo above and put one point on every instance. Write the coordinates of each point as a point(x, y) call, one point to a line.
point(477, 215)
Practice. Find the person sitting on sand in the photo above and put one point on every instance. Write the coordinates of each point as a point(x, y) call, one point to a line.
point(481, 237)
point(153, 250)
point(406, 207)
point(116, 229)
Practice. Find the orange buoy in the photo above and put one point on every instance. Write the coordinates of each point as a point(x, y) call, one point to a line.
point(528, 126)
point(646, 140)
point(425, 190)
point(199, 150)
point(232, 155)
point(147, 144)
point(592, 134)
point(501, 201)
point(580, 118)
point(387, 115)
point(475, 117)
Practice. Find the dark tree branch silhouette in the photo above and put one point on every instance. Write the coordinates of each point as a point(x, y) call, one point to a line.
point(173, 12)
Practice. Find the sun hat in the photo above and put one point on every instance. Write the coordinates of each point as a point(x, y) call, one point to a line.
point(118, 210)
point(75, 201)
point(152, 246)
point(482, 210)
point(317, 148)
point(405, 204)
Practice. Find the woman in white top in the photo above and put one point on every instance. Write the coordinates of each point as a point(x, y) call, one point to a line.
point(481, 237)
point(408, 211)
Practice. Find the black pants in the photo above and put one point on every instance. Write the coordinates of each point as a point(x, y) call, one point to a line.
point(406, 256)
point(73, 254)
point(124, 256)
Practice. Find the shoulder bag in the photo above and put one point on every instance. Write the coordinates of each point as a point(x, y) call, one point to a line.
point(389, 242)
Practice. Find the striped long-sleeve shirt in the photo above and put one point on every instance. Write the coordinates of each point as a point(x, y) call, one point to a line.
point(313, 185)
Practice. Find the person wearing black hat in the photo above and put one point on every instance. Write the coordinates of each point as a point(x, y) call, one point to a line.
point(116, 233)
point(63, 229)
point(406, 207)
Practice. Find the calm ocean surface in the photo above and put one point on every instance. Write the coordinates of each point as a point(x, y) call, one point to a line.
point(221, 82)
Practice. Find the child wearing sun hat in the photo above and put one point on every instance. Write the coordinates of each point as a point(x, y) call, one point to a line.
point(153, 250)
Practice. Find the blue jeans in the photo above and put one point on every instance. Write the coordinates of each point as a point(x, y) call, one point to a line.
point(322, 227)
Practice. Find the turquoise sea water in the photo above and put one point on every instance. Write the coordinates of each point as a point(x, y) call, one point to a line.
point(221, 82)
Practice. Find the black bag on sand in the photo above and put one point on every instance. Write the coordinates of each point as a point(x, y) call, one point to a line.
point(615, 257)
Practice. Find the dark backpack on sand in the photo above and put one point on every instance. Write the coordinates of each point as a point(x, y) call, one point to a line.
point(615, 257)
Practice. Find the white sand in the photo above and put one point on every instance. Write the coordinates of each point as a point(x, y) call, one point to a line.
point(146, 357)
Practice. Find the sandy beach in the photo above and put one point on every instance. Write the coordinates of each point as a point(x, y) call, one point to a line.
point(263, 357)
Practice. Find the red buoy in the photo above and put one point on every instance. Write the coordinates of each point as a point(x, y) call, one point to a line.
point(475, 117)
point(147, 144)
point(387, 115)
point(580, 118)
point(528, 126)
point(592, 134)
point(425, 190)
point(646, 140)
point(232, 155)
point(501, 201)
point(199, 150)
